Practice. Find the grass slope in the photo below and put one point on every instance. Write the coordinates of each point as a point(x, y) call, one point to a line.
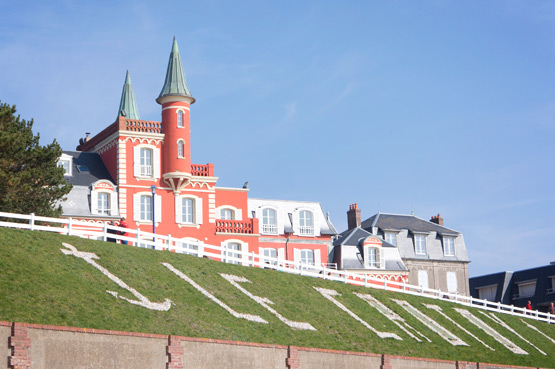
point(39, 284)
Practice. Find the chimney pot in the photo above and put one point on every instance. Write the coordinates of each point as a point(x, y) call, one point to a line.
point(353, 216)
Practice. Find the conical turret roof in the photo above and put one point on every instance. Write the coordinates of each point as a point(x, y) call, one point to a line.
point(175, 84)
point(128, 105)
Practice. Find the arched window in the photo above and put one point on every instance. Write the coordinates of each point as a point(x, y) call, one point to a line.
point(269, 221)
point(306, 222)
point(180, 149)
point(180, 119)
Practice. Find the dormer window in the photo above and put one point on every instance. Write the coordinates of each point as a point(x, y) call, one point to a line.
point(373, 257)
point(391, 238)
point(66, 162)
point(420, 244)
point(306, 223)
point(103, 203)
point(372, 253)
point(448, 246)
point(269, 221)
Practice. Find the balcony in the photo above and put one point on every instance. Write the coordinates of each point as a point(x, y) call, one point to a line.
point(236, 226)
point(306, 230)
point(269, 229)
point(202, 170)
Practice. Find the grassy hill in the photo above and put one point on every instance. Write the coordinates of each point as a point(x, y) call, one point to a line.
point(40, 284)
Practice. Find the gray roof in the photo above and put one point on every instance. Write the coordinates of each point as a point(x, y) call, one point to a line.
point(96, 168)
point(353, 237)
point(397, 222)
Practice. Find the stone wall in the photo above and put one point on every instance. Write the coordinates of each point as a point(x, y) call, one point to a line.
point(46, 347)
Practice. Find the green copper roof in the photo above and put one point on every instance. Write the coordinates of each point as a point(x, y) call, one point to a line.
point(127, 105)
point(175, 84)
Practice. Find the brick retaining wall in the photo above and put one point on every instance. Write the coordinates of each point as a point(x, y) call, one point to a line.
point(46, 347)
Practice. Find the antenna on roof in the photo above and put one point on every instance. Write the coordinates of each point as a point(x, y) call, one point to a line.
point(411, 211)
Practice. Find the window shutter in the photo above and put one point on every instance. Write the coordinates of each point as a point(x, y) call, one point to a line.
point(114, 203)
point(158, 204)
point(156, 164)
point(381, 259)
point(451, 282)
point(136, 207)
point(296, 223)
point(136, 161)
point(245, 257)
point(198, 210)
point(281, 218)
point(178, 210)
point(94, 202)
point(297, 255)
point(238, 214)
point(316, 221)
point(281, 255)
point(317, 258)
point(423, 278)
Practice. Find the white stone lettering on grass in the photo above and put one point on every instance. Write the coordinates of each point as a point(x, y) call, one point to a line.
point(235, 280)
point(391, 315)
point(496, 319)
point(329, 294)
point(491, 332)
point(252, 318)
point(432, 324)
point(439, 310)
point(142, 300)
point(537, 330)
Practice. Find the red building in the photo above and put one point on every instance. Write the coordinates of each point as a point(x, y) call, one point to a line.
point(118, 172)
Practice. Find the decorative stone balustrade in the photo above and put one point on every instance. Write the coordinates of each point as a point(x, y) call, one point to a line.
point(235, 226)
point(202, 170)
point(142, 126)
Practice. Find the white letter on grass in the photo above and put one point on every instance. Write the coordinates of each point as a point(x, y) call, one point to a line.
point(143, 301)
point(252, 318)
point(235, 280)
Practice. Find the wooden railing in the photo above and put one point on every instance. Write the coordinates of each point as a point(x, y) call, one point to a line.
point(140, 238)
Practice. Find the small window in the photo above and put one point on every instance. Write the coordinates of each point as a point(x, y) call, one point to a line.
point(180, 149)
point(103, 204)
point(270, 256)
point(145, 166)
point(180, 119)
point(233, 257)
point(226, 214)
point(187, 210)
point(448, 246)
point(306, 223)
point(83, 169)
point(551, 285)
point(487, 293)
point(307, 257)
point(145, 208)
point(269, 221)
point(66, 165)
point(451, 282)
point(391, 238)
point(420, 244)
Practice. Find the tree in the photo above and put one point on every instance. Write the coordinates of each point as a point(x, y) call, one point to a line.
point(30, 179)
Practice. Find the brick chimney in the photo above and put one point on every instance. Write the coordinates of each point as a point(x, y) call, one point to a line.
point(437, 220)
point(353, 216)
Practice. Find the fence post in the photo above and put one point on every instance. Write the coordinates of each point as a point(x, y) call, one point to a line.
point(104, 231)
point(252, 261)
point(138, 238)
point(69, 227)
point(169, 242)
point(385, 284)
point(32, 221)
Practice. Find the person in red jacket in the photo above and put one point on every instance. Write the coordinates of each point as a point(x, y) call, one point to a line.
point(529, 305)
point(123, 224)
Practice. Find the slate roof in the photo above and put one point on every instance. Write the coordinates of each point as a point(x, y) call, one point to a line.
point(354, 236)
point(77, 203)
point(387, 222)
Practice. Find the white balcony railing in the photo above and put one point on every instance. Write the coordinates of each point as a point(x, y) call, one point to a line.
point(306, 230)
point(269, 229)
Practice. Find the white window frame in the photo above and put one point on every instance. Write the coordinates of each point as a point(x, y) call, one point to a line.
point(448, 246)
point(268, 227)
point(420, 247)
point(180, 149)
point(180, 118)
point(269, 255)
point(243, 249)
point(103, 203)
point(196, 211)
point(373, 257)
point(112, 198)
point(298, 256)
point(237, 214)
point(423, 279)
point(190, 246)
point(137, 208)
point(139, 170)
point(306, 224)
point(391, 237)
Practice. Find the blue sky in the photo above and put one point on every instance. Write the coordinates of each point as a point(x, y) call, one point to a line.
point(424, 106)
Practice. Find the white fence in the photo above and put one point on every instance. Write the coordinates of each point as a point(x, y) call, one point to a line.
point(136, 237)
